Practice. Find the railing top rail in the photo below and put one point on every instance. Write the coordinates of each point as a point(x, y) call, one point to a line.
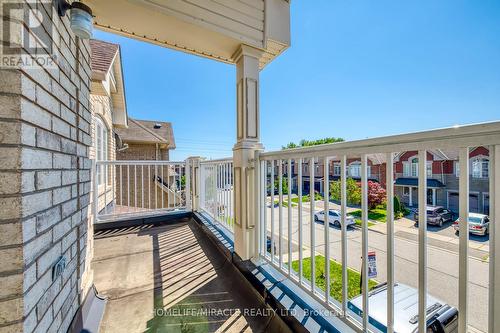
point(141, 162)
point(219, 160)
point(453, 137)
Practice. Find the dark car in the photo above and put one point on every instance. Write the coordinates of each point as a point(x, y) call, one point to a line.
point(436, 215)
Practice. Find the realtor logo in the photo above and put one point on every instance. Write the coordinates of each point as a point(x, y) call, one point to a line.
point(26, 31)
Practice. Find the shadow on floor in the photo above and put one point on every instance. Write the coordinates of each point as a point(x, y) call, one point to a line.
point(194, 288)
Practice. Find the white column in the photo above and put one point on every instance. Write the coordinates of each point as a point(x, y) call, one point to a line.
point(248, 143)
point(494, 295)
point(434, 197)
point(194, 178)
point(411, 196)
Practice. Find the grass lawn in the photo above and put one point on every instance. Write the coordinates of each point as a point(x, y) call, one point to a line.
point(376, 214)
point(353, 277)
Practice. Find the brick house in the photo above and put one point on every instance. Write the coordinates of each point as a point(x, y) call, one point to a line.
point(147, 141)
point(442, 173)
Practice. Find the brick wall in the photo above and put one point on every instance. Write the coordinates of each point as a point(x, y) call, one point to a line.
point(146, 193)
point(45, 184)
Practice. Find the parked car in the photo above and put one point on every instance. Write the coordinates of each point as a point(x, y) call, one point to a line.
point(334, 218)
point(441, 317)
point(479, 224)
point(436, 215)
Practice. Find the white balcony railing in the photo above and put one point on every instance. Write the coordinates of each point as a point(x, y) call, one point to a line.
point(216, 191)
point(138, 188)
point(286, 244)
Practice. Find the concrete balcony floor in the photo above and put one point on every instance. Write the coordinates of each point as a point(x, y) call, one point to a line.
point(173, 278)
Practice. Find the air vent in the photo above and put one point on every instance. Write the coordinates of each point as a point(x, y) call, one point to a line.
point(157, 125)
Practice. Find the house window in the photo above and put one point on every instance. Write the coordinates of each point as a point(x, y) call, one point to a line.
point(101, 148)
point(355, 170)
point(457, 169)
point(410, 168)
point(480, 168)
point(336, 169)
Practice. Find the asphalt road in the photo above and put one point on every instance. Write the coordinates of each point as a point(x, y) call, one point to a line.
point(442, 261)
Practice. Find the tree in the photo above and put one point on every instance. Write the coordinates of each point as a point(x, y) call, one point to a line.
point(353, 191)
point(376, 194)
point(308, 143)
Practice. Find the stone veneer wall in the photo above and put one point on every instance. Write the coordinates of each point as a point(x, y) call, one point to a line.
point(45, 185)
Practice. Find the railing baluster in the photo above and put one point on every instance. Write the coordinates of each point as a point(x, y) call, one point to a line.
point(263, 183)
point(142, 186)
point(280, 212)
point(161, 187)
point(272, 213)
point(289, 187)
point(390, 240)
point(313, 226)
point(135, 187)
point(422, 240)
point(121, 185)
point(494, 266)
point(128, 187)
point(343, 213)
point(149, 186)
point(301, 239)
point(463, 267)
point(364, 236)
point(326, 194)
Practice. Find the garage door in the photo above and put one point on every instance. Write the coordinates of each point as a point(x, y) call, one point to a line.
point(453, 202)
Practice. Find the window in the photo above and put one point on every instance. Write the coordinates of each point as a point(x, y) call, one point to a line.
point(355, 170)
point(101, 148)
point(410, 168)
point(480, 168)
point(336, 169)
point(457, 169)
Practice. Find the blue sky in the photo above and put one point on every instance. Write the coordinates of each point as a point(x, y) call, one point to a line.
point(355, 69)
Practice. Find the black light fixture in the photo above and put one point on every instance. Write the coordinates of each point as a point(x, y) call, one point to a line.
point(80, 17)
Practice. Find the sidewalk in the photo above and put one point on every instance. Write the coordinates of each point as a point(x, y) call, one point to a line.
point(405, 225)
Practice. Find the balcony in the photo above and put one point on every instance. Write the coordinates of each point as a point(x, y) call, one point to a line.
point(186, 244)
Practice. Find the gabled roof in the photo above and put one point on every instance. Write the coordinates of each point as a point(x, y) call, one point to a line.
point(144, 131)
point(102, 55)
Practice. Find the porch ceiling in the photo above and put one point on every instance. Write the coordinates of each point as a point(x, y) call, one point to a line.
point(209, 28)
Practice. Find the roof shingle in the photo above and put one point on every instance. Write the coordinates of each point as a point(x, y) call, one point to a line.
point(102, 55)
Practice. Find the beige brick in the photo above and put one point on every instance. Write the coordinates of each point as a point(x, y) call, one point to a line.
point(32, 113)
point(48, 179)
point(12, 285)
point(61, 194)
point(10, 132)
point(10, 81)
point(36, 246)
point(11, 207)
point(61, 229)
point(56, 323)
point(10, 182)
point(35, 159)
point(46, 260)
point(10, 106)
point(11, 157)
point(37, 202)
point(63, 295)
point(11, 310)
point(68, 240)
point(47, 101)
point(11, 259)
point(60, 127)
point(69, 177)
point(68, 208)
point(29, 229)
point(11, 234)
point(28, 135)
point(29, 277)
point(62, 161)
point(33, 295)
point(48, 140)
point(30, 322)
point(47, 219)
point(44, 324)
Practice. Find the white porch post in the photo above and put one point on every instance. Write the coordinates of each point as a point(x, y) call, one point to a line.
point(194, 182)
point(411, 196)
point(434, 197)
point(248, 143)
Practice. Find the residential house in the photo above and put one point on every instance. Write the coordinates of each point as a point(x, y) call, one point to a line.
point(145, 140)
point(109, 111)
point(442, 179)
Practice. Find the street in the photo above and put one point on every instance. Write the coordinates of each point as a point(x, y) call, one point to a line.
point(442, 270)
